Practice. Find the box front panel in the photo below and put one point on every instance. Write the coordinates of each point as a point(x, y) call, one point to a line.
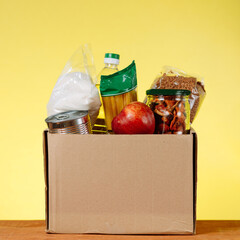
point(120, 184)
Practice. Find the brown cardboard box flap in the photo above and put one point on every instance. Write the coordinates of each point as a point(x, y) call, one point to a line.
point(120, 184)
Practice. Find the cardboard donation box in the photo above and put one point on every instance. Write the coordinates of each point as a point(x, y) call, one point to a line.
point(120, 184)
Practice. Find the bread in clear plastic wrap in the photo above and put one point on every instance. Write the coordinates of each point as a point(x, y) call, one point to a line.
point(173, 78)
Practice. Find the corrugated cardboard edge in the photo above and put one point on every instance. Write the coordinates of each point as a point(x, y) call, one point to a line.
point(45, 156)
point(45, 153)
point(195, 153)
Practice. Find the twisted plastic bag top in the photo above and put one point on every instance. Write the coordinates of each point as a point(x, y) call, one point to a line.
point(75, 88)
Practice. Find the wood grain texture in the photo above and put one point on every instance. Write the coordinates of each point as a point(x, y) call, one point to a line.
point(207, 230)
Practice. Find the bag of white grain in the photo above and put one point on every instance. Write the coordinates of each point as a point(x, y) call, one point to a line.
point(75, 88)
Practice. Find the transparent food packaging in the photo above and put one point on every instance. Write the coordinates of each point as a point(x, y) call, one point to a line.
point(118, 90)
point(171, 110)
point(111, 61)
point(75, 88)
point(113, 105)
point(173, 78)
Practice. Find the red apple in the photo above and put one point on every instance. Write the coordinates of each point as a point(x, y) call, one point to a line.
point(135, 118)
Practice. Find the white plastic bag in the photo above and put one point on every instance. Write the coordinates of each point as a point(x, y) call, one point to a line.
point(75, 88)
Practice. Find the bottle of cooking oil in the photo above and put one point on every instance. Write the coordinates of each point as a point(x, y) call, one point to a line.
point(111, 61)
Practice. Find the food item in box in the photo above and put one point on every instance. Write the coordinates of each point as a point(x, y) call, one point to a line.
point(75, 88)
point(173, 78)
point(135, 118)
point(74, 122)
point(118, 90)
point(111, 61)
point(171, 110)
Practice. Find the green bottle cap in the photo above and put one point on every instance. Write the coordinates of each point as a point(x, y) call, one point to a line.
point(112, 55)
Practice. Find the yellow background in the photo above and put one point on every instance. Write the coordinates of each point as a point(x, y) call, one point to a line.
point(38, 37)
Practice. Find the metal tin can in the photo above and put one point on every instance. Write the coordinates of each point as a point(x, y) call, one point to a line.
point(73, 122)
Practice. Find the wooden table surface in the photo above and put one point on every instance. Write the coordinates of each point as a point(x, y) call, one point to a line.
point(35, 230)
